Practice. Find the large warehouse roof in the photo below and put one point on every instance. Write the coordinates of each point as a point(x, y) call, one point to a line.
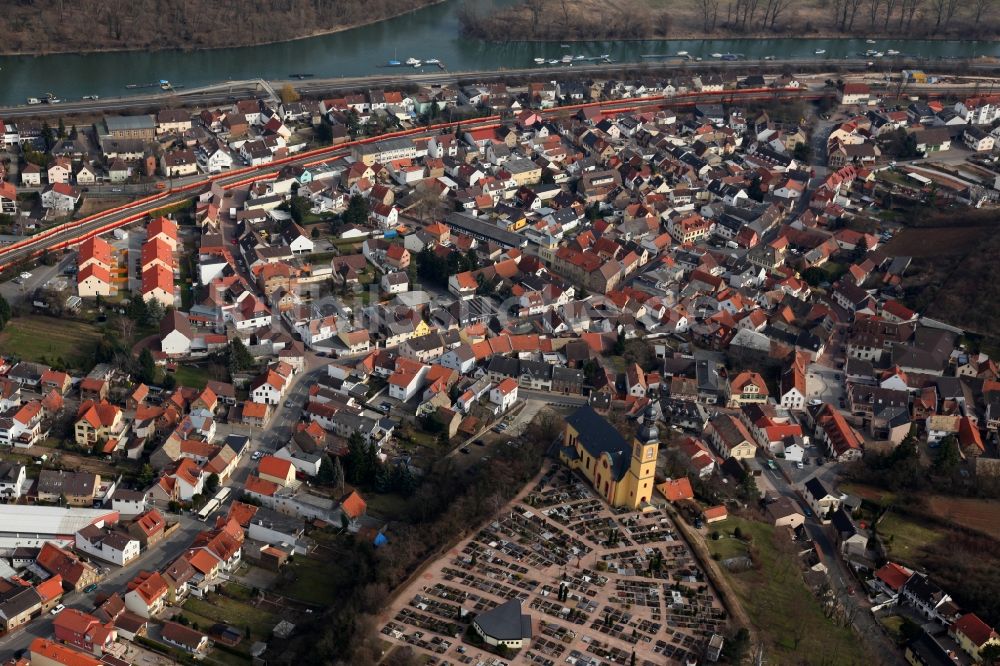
point(53, 520)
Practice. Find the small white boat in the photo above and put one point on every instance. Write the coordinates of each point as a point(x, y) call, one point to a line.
point(553, 62)
point(682, 53)
point(769, 57)
point(869, 41)
point(580, 57)
point(432, 61)
point(892, 52)
point(567, 58)
point(538, 61)
point(820, 51)
point(716, 55)
point(564, 46)
point(879, 54)
point(412, 61)
point(605, 56)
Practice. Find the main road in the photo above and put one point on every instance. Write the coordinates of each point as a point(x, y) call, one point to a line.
point(227, 91)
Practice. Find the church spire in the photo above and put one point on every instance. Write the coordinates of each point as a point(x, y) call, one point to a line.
point(647, 432)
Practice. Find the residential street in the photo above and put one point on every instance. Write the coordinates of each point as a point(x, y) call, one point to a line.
point(161, 555)
point(841, 580)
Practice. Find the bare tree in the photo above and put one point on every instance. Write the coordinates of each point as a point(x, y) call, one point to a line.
point(126, 327)
point(944, 12)
point(890, 7)
point(851, 12)
point(907, 11)
point(777, 8)
point(536, 7)
point(709, 10)
point(979, 7)
point(874, 6)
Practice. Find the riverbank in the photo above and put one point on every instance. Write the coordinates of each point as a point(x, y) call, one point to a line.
point(88, 48)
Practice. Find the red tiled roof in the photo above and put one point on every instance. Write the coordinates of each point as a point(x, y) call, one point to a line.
point(149, 585)
point(45, 649)
point(273, 466)
point(50, 589)
point(151, 522)
point(353, 505)
point(893, 575)
point(977, 631)
point(676, 489)
point(255, 484)
point(715, 512)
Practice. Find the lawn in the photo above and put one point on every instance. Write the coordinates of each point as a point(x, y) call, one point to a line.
point(44, 339)
point(312, 582)
point(232, 612)
point(904, 537)
point(726, 546)
point(784, 611)
point(191, 376)
point(389, 506)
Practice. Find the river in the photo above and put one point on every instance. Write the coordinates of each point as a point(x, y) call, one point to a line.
point(427, 33)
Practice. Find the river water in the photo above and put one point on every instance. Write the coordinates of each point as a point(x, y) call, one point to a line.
point(424, 34)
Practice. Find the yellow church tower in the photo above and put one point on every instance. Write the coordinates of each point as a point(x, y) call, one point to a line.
point(637, 486)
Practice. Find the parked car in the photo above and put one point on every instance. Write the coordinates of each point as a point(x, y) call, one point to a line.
point(799, 464)
point(90, 588)
point(465, 450)
point(479, 442)
point(58, 609)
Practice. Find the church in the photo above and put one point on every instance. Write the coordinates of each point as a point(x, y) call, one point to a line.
point(622, 474)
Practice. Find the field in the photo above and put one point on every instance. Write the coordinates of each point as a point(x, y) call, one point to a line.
point(783, 610)
point(977, 514)
point(953, 257)
point(905, 538)
point(44, 339)
point(935, 242)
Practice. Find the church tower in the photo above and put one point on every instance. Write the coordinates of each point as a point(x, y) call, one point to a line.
point(645, 447)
